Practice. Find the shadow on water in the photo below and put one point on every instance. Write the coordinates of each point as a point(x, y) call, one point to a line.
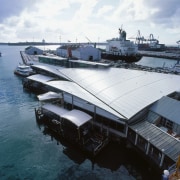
point(116, 155)
point(112, 157)
point(73, 153)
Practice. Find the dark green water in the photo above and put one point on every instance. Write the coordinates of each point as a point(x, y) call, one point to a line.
point(29, 152)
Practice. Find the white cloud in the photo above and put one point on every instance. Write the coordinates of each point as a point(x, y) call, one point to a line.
point(53, 20)
point(104, 11)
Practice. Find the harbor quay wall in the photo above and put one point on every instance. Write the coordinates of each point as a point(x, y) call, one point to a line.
point(163, 54)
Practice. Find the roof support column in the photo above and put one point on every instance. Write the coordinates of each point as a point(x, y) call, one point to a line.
point(72, 102)
point(148, 145)
point(136, 137)
point(94, 112)
point(79, 134)
point(162, 158)
point(94, 115)
point(126, 130)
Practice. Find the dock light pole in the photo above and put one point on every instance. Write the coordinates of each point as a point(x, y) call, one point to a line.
point(98, 42)
point(60, 39)
point(162, 158)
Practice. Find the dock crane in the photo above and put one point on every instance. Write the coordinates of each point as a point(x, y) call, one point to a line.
point(152, 39)
point(139, 39)
point(90, 42)
point(88, 39)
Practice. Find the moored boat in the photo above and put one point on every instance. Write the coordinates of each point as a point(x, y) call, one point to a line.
point(121, 49)
point(23, 70)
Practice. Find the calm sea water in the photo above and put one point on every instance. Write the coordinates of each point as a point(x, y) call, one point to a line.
point(29, 152)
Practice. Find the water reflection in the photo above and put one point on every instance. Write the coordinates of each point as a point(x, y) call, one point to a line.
point(116, 158)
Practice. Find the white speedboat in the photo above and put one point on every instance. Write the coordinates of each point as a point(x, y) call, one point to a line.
point(23, 70)
point(121, 49)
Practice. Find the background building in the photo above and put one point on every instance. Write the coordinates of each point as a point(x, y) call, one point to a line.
point(31, 50)
point(79, 52)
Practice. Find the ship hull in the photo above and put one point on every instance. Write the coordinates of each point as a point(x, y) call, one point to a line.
point(128, 59)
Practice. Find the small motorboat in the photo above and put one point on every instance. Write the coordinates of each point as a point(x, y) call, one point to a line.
point(23, 70)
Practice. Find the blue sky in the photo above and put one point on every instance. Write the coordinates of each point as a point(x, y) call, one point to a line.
point(96, 20)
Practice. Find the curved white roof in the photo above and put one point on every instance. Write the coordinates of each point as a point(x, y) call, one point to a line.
point(74, 89)
point(40, 78)
point(77, 117)
point(55, 109)
point(123, 90)
point(49, 68)
point(49, 95)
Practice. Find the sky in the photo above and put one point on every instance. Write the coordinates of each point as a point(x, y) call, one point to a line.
point(88, 20)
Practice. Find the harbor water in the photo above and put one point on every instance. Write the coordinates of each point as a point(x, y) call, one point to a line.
point(31, 152)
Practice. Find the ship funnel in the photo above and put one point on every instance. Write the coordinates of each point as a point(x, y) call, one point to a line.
point(122, 34)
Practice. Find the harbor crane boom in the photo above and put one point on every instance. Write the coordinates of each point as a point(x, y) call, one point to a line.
point(88, 39)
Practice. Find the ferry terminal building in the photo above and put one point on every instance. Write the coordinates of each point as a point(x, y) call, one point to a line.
point(140, 106)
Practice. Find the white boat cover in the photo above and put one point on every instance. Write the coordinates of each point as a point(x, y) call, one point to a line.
point(77, 117)
point(40, 78)
point(49, 95)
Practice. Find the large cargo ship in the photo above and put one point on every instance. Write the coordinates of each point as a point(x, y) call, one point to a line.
point(121, 49)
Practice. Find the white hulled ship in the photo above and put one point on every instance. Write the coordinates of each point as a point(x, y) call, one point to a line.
point(121, 49)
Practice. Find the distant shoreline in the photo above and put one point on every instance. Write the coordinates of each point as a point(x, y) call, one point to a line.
point(62, 43)
point(48, 43)
point(31, 44)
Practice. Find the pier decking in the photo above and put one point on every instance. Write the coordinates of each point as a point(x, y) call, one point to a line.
point(155, 143)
